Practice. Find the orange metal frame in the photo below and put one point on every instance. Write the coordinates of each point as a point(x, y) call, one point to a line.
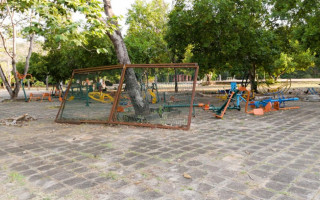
point(112, 118)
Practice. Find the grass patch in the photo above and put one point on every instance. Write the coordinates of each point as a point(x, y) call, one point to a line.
point(89, 155)
point(111, 175)
point(109, 145)
point(16, 177)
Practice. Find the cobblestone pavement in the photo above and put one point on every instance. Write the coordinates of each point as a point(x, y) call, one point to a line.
point(275, 156)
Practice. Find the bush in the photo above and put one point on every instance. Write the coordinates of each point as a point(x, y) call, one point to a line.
point(39, 84)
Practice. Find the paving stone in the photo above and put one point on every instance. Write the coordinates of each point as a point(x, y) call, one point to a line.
point(203, 187)
point(194, 163)
point(262, 193)
point(237, 186)
point(28, 172)
point(227, 194)
point(85, 185)
point(308, 184)
point(312, 176)
point(216, 179)
point(285, 198)
point(117, 196)
point(259, 173)
point(54, 187)
point(127, 162)
point(150, 195)
point(276, 186)
point(74, 181)
point(63, 175)
point(300, 192)
point(285, 176)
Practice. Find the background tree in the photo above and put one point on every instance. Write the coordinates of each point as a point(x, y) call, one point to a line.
point(45, 18)
point(231, 35)
point(147, 23)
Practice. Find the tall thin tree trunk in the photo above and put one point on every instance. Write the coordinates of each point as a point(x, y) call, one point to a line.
point(175, 80)
point(140, 106)
point(252, 77)
point(14, 62)
point(26, 67)
point(47, 83)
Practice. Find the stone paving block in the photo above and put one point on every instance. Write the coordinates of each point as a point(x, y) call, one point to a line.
point(216, 179)
point(117, 196)
point(308, 184)
point(45, 167)
point(132, 190)
point(127, 162)
point(80, 170)
point(54, 187)
point(276, 185)
point(260, 173)
point(304, 193)
point(73, 181)
point(285, 176)
point(237, 186)
point(312, 176)
point(194, 163)
point(285, 198)
point(64, 193)
point(203, 187)
point(227, 194)
point(262, 193)
point(150, 195)
point(85, 185)
point(119, 184)
point(63, 175)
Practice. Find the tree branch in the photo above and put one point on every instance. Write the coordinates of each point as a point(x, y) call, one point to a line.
point(5, 45)
point(26, 67)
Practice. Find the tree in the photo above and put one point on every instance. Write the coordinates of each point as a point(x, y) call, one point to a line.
point(295, 59)
point(140, 105)
point(145, 35)
point(13, 15)
point(302, 19)
point(225, 35)
point(45, 18)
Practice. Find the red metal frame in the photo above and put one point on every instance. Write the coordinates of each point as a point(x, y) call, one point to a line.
point(111, 119)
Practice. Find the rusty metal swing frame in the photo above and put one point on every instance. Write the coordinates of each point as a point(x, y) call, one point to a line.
point(112, 119)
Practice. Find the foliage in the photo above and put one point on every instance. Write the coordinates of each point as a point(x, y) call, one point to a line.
point(145, 36)
point(295, 59)
point(60, 61)
point(225, 35)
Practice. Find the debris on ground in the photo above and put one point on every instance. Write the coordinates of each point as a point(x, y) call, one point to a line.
point(17, 121)
point(187, 176)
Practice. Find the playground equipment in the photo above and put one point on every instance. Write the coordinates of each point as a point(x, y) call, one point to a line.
point(22, 77)
point(168, 98)
point(263, 106)
point(32, 96)
point(41, 97)
point(101, 97)
point(312, 91)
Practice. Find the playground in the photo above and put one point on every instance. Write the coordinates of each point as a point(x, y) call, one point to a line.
point(242, 156)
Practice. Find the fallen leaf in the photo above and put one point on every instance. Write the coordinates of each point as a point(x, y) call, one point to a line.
point(185, 175)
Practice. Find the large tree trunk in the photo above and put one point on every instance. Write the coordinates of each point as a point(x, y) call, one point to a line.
point(252, 77)
point(140, 106)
